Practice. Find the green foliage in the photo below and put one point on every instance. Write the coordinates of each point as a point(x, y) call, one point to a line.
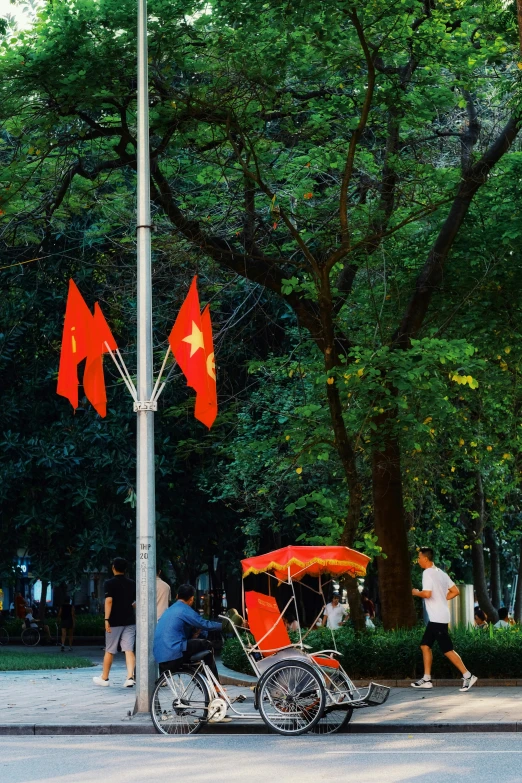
point(89, 625)
point(86, 625)
point(396, 654)
point(253, 112)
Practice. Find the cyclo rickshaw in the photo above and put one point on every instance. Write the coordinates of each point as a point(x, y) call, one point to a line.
point(296, 690)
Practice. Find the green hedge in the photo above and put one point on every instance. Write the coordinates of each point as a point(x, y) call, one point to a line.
point(86, 625)
point(396, 654)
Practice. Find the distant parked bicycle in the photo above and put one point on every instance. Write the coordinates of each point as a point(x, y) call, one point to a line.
point(4, 636)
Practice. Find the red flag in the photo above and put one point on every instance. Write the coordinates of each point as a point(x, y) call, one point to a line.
point(76, 328)
point(206, 404)
point(93, 379)
point(187, 341)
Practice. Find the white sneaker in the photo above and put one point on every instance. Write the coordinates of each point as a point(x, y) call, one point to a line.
point(468, 683)
point(129, 683)
point(100, 681)
point(422, 683)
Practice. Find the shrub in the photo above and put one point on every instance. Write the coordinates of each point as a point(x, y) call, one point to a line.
point(86, 625)
point(396, 654)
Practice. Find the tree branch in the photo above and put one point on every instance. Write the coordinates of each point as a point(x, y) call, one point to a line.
point(254, 266)
point(430, 277)
point(363, 119)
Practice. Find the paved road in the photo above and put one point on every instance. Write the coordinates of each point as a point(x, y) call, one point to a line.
point(264, 758)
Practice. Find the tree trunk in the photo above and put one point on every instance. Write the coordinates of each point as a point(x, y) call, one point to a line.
point(354, 601)
point(518, 596)
point(479, 581)
point(476, 531)
point(397, 608)
point(344, 448)
point(494, 568)
point(233, 591)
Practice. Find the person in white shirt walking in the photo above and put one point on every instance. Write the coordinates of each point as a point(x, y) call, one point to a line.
point(437, 590)
point(334, 613)
point(162, 595)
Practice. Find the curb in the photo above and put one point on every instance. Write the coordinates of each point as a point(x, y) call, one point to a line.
point(481, 683)
point(226, 679)
point(432, 728)
point(56, 729)
point(255, 727)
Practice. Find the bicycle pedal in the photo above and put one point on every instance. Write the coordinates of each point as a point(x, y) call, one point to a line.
point(239, 699)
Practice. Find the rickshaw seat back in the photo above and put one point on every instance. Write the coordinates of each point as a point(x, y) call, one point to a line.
point(322, 660)
point(263, 615)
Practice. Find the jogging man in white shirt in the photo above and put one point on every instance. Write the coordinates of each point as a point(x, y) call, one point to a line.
point(437, 590)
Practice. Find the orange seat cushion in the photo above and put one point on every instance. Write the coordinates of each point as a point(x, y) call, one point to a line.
point(331, 662)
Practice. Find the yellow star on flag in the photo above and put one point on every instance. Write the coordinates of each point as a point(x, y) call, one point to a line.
point(211, 366)
point(195, 340)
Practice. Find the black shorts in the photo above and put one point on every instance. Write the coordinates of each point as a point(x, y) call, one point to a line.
point(437, 632)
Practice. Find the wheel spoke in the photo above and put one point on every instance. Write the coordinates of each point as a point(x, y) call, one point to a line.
point(337, 691)
point(291, 698)
point(181, 708)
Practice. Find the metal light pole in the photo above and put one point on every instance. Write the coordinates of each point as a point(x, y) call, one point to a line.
point(145, 499)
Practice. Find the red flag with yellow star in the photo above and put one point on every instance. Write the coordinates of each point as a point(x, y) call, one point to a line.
point(93, 379)
point(206, 404)
point(75, 340)
point(187, 341)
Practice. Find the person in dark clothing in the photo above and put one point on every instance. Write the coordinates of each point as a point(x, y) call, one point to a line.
point(67, 619)
point(120, 622)
point(20, 607)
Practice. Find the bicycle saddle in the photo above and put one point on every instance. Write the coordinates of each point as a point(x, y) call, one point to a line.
point(199, 656)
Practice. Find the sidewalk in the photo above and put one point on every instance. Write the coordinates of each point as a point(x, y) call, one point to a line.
point(67, 702)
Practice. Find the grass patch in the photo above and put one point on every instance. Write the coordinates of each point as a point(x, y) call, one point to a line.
point(29, 661)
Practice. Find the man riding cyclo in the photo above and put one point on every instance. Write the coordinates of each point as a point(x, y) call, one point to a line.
point(181, 633)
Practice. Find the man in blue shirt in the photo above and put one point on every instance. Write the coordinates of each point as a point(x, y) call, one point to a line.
point(179, 631)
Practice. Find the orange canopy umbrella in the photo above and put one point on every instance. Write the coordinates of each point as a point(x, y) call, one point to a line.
point(312, 560)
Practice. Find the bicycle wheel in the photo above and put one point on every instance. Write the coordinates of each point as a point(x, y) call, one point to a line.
point(180, 703)
point(291, 697)
point(30, 637)
point(4, 636)
point(335, 717)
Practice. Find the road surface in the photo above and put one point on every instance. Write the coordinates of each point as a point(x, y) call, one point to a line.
point(388, 758)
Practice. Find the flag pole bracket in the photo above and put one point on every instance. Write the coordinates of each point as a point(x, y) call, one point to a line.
point(145, 405)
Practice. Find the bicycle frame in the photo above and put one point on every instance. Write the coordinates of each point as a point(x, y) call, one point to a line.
point(215, 690)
